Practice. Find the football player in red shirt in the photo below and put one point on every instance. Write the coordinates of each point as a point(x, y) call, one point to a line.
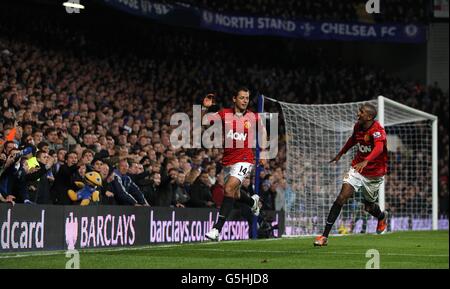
point(238, 157)
point(367, 171)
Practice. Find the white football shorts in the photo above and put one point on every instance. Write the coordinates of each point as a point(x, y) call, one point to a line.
point(369, 186)
point(238, 170)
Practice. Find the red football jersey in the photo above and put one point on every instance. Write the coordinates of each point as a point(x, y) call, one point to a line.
point(365, 141)
point(239, 136)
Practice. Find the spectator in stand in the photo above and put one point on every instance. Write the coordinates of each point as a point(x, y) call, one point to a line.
point(166, 195)
point(217, 190)
point(74, 135)
point(87, 156)
point(60, 158)
point(179, 188)
point(150, 188)
point(51, 136)
point(97, 165)
point(145, 181)
point(285, 196)
point(246, 211)
point(161, 191)
point(125, 191)
point(14, 171)
point(38, 137)
point(40, 180)
point(63, 179)
point(201, 192)
point(268, 194)
point(43, 146)
point(109, 100)
point(211, 169)
point(106, 194)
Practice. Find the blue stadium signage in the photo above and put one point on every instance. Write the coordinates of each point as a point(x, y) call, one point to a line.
point(190, 16)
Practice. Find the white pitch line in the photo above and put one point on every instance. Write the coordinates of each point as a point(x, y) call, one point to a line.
point(97, 250)
point(31, 255)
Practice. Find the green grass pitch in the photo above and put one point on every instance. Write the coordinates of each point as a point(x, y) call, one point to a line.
point(423, 249)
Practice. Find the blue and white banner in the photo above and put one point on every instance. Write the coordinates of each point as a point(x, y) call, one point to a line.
point(312, 29)
point(185, 15)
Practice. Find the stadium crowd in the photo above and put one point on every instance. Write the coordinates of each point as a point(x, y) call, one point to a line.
point(75, 100)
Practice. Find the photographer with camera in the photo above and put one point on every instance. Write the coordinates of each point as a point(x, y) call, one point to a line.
point(39, 181)
point(12, 174)
point(6, 160)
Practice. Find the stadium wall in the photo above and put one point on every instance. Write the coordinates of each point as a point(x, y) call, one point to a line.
point(406, 61)
point(437, 55)
point(42, 228)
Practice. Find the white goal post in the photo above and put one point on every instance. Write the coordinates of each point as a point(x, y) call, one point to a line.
point(314, 135)
point(434, 151)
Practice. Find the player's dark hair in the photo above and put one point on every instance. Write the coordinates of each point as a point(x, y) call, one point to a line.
point(241, 88)
point(371, 109)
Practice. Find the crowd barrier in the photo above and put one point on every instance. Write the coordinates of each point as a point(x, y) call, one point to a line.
point(51, 227)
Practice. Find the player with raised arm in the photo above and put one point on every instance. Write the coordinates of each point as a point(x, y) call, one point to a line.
point(237, 160)
point(366, 173)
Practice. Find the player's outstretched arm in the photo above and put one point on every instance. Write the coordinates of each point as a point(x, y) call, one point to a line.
point(348, 145)
point(336, 158)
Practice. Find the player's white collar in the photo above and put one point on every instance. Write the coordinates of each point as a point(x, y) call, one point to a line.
point(239, 113)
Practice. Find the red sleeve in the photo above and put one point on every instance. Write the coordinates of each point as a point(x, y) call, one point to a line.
point(221, 114)
point(348, 145)
point(377, 150)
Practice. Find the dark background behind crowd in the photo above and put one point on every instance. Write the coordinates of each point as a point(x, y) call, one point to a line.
point(95, 93)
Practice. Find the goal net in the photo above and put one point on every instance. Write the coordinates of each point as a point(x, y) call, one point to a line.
point(316, 133)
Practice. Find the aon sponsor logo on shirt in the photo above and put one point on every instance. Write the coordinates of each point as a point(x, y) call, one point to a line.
point(237, 135)
point(364, 149)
